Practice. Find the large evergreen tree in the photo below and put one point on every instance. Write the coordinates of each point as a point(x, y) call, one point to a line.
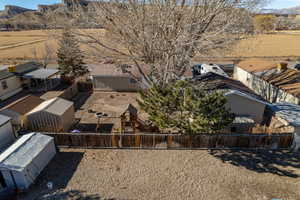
point(182, 107)
point(70, 57)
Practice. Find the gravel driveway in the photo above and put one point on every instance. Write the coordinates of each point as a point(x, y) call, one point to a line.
point(144, 174)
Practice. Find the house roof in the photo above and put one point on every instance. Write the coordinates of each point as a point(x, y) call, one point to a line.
point(287, 112)
point(3, 119)
point(24, 105)
point(56, 106)
point(41, 73)
point(23, 151)
point(215, 81)
point(4, 74)
point(108, 70)
point(27, 67)
point(286, 79)
point(235, 92)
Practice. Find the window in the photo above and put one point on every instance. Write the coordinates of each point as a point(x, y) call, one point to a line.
point(4, 85)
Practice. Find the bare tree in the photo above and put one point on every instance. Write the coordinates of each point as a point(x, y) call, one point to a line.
point(160, 38)
point(46, 56)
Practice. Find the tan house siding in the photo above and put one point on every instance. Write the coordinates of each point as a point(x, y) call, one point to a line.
point(13, 87)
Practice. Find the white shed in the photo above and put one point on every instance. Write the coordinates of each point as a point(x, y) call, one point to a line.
point(242, 104)
point(7, 136)
point(23, 161)
point(54, 115)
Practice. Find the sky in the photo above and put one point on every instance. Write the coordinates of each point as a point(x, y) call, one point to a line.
point(275, 4)
point(33, 3)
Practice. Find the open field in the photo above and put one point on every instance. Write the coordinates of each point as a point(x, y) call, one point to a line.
point(270, 45)
point(169, 175)
point(18, 46)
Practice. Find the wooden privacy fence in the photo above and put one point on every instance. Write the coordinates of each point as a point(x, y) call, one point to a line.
point(172, 141)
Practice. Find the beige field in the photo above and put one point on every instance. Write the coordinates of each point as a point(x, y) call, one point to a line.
point(16, 46)
point(270, 45)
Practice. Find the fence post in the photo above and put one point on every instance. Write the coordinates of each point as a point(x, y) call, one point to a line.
point(137, 140)
point(169, 141)
point(114, 141)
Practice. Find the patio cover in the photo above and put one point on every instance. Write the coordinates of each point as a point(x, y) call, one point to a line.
point(41, 74)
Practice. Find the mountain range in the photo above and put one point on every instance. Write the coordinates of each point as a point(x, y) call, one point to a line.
point(284, 11)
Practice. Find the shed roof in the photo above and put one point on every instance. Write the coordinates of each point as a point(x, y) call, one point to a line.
point(3, 119)
point(27, 67)
point(24, 105)
point(287, 79)
point(215, 81)
point(41, 73)
point(288, 112)
point(4, 74)
point(23, 151)
point(250, 97)
point(106, 70)
point(57, 106)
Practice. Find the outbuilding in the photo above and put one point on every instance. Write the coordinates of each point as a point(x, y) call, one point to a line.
point(54, 115)
point(24, 160)
point(242, 104)
point(7, 136)
point(108, 77)
point(18, 109)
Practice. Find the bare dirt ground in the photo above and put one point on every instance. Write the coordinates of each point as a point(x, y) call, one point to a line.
point(144, 174)
point(110, 103)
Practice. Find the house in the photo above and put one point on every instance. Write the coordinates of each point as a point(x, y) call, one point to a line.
point(9, 84)
point(7, 136)
point(54, 115)
point(23, 161)
point(241, 100)
point(289, 115)
point(108, 77)
point(275, 82)
point(17, 110)
point(36, 78)
point(206, 68)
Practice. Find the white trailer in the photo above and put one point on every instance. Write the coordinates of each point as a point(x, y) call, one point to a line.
point(24, 160)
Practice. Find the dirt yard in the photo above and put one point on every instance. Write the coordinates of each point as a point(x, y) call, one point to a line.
point(169, 175)
point(110, 103)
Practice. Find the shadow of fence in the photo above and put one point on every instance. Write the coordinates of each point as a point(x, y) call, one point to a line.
point(281, 163)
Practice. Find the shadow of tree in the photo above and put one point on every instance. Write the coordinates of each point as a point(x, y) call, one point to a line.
point(282, 163)
point(72, 194)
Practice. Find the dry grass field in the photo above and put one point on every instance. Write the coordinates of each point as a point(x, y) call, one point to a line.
point(285, 44)
point(16, 46)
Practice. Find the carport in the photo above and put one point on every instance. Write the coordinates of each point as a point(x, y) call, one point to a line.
point(42, 79)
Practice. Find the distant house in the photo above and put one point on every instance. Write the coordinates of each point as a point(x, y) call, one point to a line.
point(23, 161)
point(34, 77)
point(9, 84)
point(108, 77)
point(7, 136)
point(54, 115)
point(17, 110)
point(275, 82)
point(241, 100)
